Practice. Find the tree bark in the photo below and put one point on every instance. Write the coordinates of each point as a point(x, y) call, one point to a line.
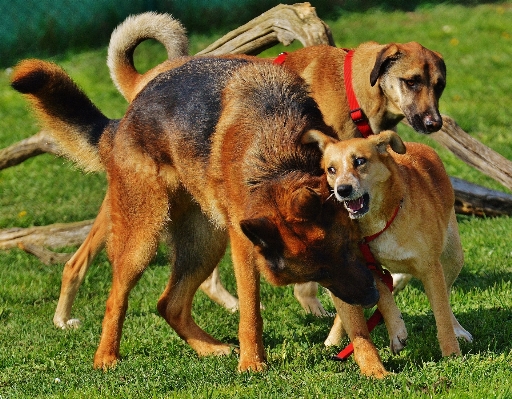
point(473, 152)
point(54, 236)
point(40, 143)
point(283, 23)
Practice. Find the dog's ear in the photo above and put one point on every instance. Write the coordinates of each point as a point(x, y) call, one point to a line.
point(388, 54)
point(316, 136)
point(306, 204)
point(391, 138)
point(261, 231)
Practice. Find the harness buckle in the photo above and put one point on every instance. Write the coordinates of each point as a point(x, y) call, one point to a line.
point(358, 116)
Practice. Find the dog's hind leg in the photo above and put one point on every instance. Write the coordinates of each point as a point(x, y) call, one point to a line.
point(437, 293)
point(197, 246)
point(452, 260)
point(76, 268)
point(213, 287)
point(306, 294)
point(138, 208)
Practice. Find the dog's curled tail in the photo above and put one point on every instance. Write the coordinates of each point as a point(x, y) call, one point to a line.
point(129, 34)
point(63, 109)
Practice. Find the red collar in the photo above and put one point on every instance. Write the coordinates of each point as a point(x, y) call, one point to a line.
point(280, 58)
point(364, 246)
point(356, 113)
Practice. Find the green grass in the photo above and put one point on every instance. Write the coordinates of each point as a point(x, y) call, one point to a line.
point(37, 361)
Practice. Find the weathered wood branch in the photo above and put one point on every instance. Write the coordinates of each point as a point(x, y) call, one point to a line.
point(53, 236)
point(472, 199)
point(473, 152)
point(40, 143)
point(283, 23)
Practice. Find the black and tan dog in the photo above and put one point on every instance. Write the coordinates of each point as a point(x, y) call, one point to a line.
point(207, 151)
point(405, 203)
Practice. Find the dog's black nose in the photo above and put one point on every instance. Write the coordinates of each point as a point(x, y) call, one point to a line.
point(344, 190)
point(432, 124)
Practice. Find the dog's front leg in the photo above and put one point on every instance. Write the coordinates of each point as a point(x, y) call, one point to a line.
point(392, 317)
point(365, 354)
point(250, 331)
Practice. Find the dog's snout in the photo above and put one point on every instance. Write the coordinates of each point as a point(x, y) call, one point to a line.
point(344, 190)
point(432, 124)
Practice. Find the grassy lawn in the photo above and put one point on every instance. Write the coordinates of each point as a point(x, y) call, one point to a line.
point(37, 360)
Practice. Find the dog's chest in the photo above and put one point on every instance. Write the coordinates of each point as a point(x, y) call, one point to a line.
point(395, 253)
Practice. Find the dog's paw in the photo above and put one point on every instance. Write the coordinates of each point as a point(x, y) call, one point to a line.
point(398, 343)
point(336, 334)
point(461, 333)
point(252, 366)
point(105, 361)
point(313, 306)
point(67, 324)
point(207, 349)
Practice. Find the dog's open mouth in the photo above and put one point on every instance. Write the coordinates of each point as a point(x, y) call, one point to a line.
point(358, 207)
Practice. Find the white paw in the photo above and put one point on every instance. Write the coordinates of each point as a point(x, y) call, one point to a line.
point(313, 306)
point(67, 324)
point(398, 336)
point(461, 333)
point(398, 343)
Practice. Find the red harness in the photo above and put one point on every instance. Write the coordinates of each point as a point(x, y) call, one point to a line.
point(356, 113)
point(383, 274)
point(361, 121)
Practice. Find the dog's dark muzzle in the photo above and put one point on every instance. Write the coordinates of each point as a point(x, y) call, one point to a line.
point(356, 287)
point(427, 123)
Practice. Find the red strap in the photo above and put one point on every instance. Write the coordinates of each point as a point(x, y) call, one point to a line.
point(383, 274)
point(280, 58)
point(367, 239)
point(356, 113)
point(372, 322)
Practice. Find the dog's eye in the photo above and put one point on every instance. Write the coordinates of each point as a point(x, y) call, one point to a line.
point(359, 162)
point(410, 82)
point(331, 170)
point(438, 88)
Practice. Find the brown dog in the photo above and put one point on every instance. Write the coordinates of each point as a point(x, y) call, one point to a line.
point(390, 81)
point(207, 151)
point(412, 194)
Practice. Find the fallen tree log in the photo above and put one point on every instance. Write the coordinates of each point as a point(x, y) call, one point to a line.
point(40, 143)
point(473, 152)
point(472, 199)
point(281, 24)
point(53, 236)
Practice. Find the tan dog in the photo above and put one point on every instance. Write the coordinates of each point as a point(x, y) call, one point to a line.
point(412, 192)
point(391, 81)
point(208, 151)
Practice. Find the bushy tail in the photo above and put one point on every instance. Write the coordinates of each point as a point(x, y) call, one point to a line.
point(63, 109)
point(133, 31)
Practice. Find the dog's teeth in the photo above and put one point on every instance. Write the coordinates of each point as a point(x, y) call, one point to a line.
point(355, 205)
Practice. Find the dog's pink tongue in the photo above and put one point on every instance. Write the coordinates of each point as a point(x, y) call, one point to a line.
point(355, 205)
